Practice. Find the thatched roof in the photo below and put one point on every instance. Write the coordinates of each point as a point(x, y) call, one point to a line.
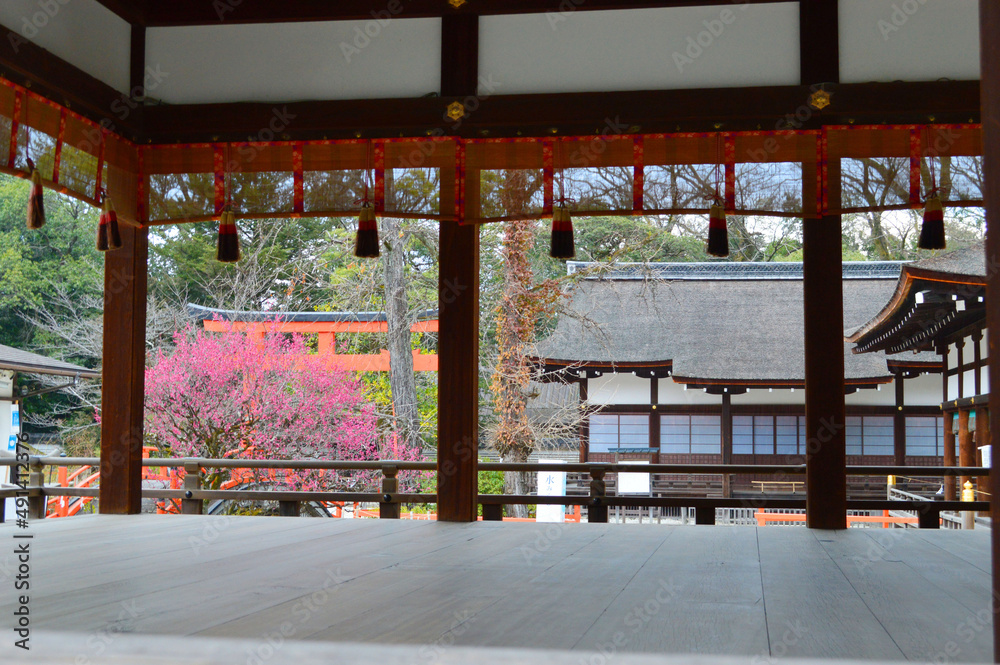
point(727, 329)
point(26, 362)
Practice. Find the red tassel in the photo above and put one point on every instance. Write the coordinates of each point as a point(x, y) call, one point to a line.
point(228, 249)
point(366, 241)
point(108, 236)
point(718, 233)
point(36, 205)
point(562, 234)
point(932, 230)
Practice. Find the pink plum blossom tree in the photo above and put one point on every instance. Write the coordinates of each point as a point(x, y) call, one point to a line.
point(236, 394)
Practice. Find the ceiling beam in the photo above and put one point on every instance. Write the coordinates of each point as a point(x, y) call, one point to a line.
point(43, 73)
point(215, 12)
point(133, 11)
point(819, 41)
point(729, 109)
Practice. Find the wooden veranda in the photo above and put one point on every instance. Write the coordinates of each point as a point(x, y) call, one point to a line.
point(120, 125)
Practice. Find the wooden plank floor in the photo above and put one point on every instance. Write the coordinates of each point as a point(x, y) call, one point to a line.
point(759, 592)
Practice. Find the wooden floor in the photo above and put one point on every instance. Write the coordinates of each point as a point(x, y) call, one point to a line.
point(771, 591)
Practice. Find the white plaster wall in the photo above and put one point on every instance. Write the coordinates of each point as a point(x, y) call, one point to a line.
point(674, 393)
point(909, 40)
point(297, 61)
point(776, 396)
point(968, 377)
point(623, 388)
point(82, 32)
point(731, 44)
point(924, 390)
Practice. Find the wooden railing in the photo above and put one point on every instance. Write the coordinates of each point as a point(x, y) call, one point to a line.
point(597, 500)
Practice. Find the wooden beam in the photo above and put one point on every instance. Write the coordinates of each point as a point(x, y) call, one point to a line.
point(123, 368)
point(459, 55)
point(458, 307)
point(819, 41)
point(733, 109)
point(202, 12)
point(823, 307)
point(727, 441)
point(133, 11)
point(45, 74)
point(949, 455)
point(899, 421)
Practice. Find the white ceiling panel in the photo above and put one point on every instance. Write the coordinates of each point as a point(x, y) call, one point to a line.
point(908, 40)
point(296, 61)
point(82, 32)
point(729, 45)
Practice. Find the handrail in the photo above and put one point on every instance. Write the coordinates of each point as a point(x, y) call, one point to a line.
point(389, 498)
point(576, 467)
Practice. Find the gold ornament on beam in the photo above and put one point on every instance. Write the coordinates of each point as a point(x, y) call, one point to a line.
point(456, 3)
point(456, 110)
point(819, 99)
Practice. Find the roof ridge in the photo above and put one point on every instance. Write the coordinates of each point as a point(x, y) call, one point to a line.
point(728, 270)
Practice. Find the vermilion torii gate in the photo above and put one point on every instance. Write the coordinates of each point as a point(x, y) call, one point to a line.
point(750, 90)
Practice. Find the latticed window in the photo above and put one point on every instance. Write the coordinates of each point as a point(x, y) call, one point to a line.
point(695, 435)
point(925, 436)
point(611, 432)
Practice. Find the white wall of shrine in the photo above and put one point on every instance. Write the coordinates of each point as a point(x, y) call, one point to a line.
point(82, 32)
point(628, 389)
point(968, 377)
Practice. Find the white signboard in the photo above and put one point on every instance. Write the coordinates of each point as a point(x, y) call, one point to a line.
point(633, 483)
point(987, 452)
point(551, 483)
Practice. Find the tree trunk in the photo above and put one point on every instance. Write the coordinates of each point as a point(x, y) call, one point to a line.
point(515, 328)
point(402, 382)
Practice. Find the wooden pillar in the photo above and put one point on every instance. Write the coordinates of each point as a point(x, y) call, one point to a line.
point(960, 371)
point(899, 422)
point(966, 448)
point(826, 480)
point(458, 300)
point(654, 419)
point(977, 372)
point(823, 305)
point(982, 439)
point(949, 454)
point(458, 363)
point(727, 441)
point(989, 43)
point(123, 373)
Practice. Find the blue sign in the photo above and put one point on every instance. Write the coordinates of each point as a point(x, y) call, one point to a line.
point(15, 417)
point(12, 444)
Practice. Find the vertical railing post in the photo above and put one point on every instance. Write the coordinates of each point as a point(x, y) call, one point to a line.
point(704, 515)
point(929, 517)
point(36, 483)
point(192, 482)
point(289, 508)
point(597, 511)
point(388, 509)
